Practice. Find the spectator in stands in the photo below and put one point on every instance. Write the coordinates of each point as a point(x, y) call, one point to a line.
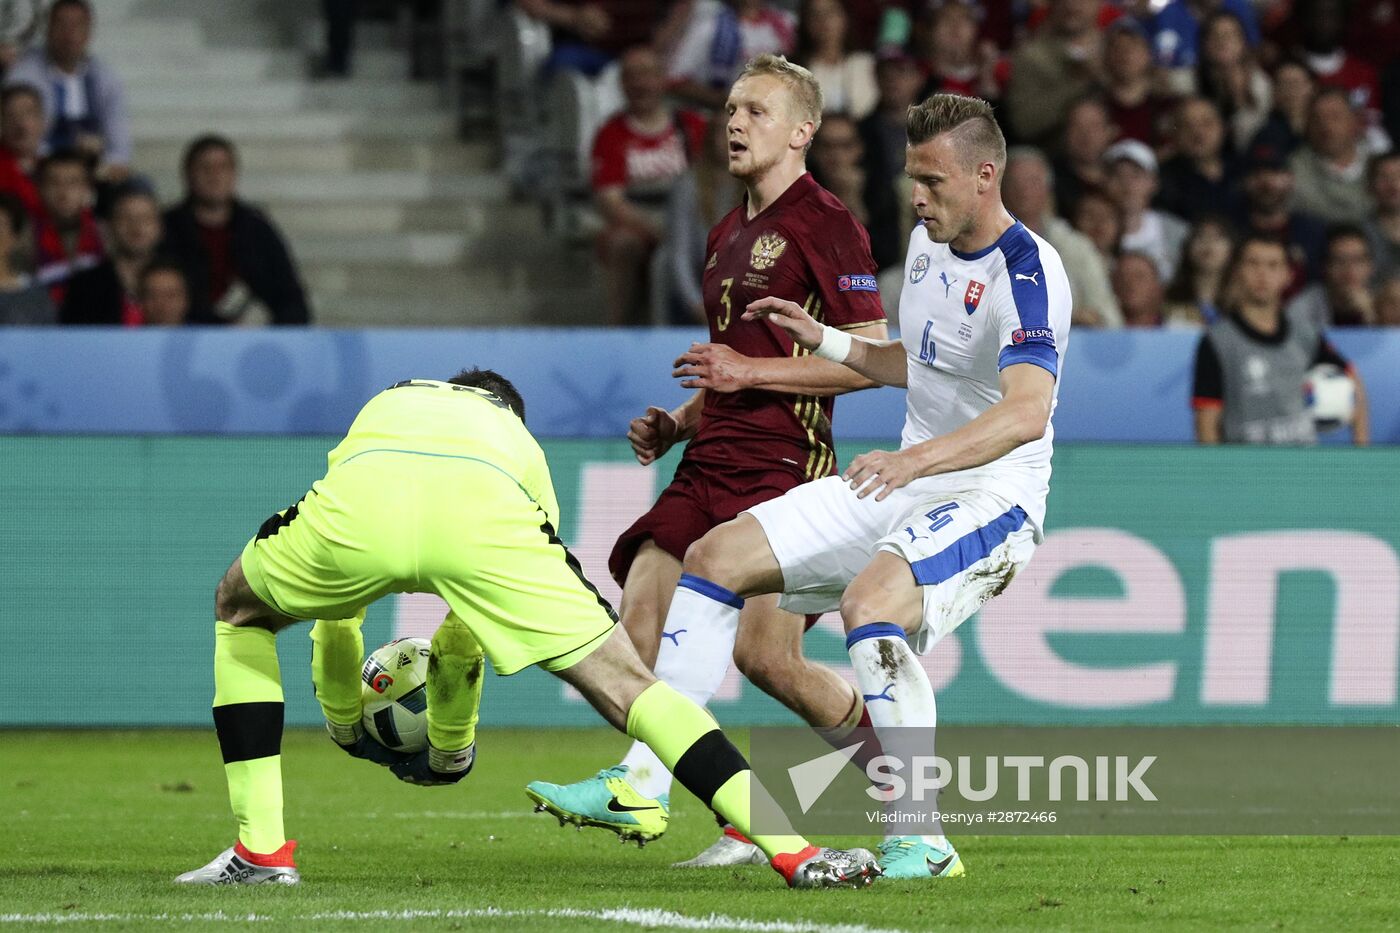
point(700, 197)
point(1388, 303)
point(23, 301)
point(84, 99)
point(1196, 293)
point(846, 74)
point(66, 237)
point(1026, 190)
point(1383, 226)
point(340, 36)
point(1098, 218)
point(884, 132)
point(1330, 170)
point(107, 293)
point(718, 38)
point(1199, 179)
point(1132, 184)
point(1293, 89)
point(1059, 65)
point(637, 155)
point(952, 59)
point(236, 262)
point(1228, 76)
point(589, 35)
point(1267, 212)
point(1324, 26)
point(1137, 284)
point(1080, 168)
point(164, 294)
point(1250, 365)
point(19, 24)
point(1134, 105)
point(21, 138)
point(838, 164)
point(1176, 32)
point(1343, 298)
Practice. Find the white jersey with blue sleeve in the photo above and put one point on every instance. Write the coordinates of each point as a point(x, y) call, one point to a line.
point(963, 318)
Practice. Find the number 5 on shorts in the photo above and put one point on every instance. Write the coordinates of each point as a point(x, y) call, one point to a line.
point(939, 517)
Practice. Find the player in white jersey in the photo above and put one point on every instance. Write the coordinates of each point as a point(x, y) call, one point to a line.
point(910, 543)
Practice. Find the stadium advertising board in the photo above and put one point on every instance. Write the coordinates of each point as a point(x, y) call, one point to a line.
point(1176, 585)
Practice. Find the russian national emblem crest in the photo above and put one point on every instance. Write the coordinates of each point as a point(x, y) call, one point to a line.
point(767, 249)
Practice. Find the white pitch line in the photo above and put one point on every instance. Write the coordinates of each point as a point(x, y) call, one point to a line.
point(649, 917)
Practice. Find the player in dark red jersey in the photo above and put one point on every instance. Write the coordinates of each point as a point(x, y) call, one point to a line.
point(759, 425)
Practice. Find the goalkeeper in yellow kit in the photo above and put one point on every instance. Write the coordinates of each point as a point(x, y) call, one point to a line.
point(439, 488)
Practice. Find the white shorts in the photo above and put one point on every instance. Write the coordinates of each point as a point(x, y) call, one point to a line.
point(963, 547)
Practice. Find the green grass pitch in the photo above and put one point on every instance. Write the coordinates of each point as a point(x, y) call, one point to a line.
point(97, 823)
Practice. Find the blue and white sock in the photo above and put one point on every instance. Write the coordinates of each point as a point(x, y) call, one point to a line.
point(697, 646)
point(900, 702)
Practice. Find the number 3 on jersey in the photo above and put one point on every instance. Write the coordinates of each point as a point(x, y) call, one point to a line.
point(724, 300)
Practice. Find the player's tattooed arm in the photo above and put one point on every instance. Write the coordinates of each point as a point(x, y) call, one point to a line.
point(723, 369)
point(1019, 418)
point(655, 432)
point(881, 361)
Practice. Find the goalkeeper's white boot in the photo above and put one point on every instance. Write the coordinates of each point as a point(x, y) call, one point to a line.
point(732, 848)
point(239, 866)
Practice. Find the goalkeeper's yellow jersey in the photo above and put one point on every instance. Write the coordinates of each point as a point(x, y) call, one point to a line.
point(429, 417)
point(424, 494)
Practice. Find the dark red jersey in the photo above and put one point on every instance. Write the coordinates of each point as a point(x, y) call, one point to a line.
point(804, 247)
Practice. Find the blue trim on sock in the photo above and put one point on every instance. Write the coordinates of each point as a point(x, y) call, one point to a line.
point(711, 590)
point(874, 630)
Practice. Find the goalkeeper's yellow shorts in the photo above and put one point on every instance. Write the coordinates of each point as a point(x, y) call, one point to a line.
point(390, 521)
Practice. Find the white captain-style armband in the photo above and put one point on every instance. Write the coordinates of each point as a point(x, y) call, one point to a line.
point(835, 345)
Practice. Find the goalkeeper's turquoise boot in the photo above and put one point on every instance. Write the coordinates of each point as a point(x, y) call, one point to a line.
point(605, 800)
point(904, 857)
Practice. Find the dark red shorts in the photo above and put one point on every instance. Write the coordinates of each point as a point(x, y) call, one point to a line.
point(697, 500)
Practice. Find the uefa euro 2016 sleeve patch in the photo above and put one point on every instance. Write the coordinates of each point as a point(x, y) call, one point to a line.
point(856, 283)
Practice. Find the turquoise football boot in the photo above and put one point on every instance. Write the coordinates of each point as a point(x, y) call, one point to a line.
point(910, 857)
point(607, 801)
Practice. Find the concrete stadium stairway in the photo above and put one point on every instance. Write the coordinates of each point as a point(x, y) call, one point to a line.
point(393, 219)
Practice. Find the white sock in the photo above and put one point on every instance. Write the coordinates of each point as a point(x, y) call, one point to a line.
point(697, 645)
point(899, 699)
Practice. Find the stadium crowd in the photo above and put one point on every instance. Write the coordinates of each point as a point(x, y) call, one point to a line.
point(83, 237)
point(1149, 137)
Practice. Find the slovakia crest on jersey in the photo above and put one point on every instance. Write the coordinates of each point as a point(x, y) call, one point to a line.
point(973, 296)
point(919, 269)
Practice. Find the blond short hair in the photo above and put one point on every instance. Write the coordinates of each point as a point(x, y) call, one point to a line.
point(970, 120)
point(804, 91)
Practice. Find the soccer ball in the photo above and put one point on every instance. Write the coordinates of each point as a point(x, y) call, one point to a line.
point(1330, 396)
point(394, 695)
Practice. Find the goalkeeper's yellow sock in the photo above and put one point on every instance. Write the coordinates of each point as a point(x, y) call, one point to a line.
point(248, 718)
point(706, 763)
point(455, 669)
point(337, 654)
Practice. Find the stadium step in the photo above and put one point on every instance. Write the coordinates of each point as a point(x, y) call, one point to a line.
point(317, 125)
point(393, 219)
point(210, 94)
point(258, 185)
point(347, 155)
point(156, 65)
point(418, 250)
point(484, 225)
